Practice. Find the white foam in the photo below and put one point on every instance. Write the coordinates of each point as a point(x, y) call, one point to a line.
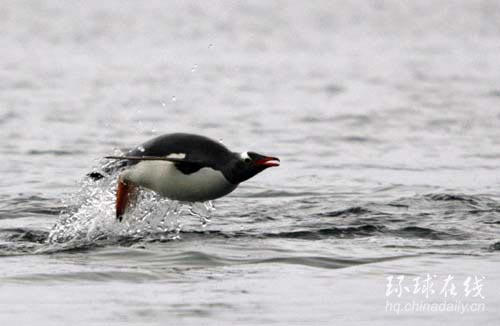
point(90, 214)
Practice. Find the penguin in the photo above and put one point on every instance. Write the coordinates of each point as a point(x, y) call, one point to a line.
point(184, 167)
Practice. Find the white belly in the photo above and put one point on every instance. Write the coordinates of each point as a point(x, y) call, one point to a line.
point(162, 177)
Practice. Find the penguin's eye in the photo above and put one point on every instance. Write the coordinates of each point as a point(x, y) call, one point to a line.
point(247, 160)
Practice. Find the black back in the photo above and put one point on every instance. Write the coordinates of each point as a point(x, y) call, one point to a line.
point(200, 151)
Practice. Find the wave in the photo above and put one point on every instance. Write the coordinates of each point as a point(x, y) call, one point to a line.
point(495, 246)
point(337, 232)
point(87, 221)
point(29, 205)
point(356, 210)
point(426, 233)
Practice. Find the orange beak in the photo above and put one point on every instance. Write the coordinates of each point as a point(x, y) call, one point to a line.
point(268, 161)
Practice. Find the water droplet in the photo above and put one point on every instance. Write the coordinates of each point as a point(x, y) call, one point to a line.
point(141, 149)
point(117, 152)
point(163, 104)
point(174, 99)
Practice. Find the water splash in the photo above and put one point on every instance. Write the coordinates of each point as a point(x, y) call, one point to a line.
point(90, 215)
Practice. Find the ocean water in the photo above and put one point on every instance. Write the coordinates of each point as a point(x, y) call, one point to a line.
point(385, 114)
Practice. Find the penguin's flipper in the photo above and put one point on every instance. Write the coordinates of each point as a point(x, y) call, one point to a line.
point(184, 165)
point(125, 197)
point(154, 158)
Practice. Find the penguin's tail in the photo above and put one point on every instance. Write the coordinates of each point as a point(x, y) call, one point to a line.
point(95, 175)
point(107, 169)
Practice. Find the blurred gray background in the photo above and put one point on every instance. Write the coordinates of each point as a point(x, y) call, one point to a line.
point(385, 115)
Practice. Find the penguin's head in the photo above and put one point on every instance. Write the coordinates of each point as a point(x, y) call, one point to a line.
point(247, 164)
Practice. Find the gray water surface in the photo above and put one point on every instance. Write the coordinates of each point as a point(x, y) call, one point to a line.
point(385, 115)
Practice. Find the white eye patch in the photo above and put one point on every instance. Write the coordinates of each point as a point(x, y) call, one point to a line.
point(177, 155)
point(245, 156)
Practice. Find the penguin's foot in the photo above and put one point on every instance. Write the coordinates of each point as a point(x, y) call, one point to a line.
point(125, 197)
